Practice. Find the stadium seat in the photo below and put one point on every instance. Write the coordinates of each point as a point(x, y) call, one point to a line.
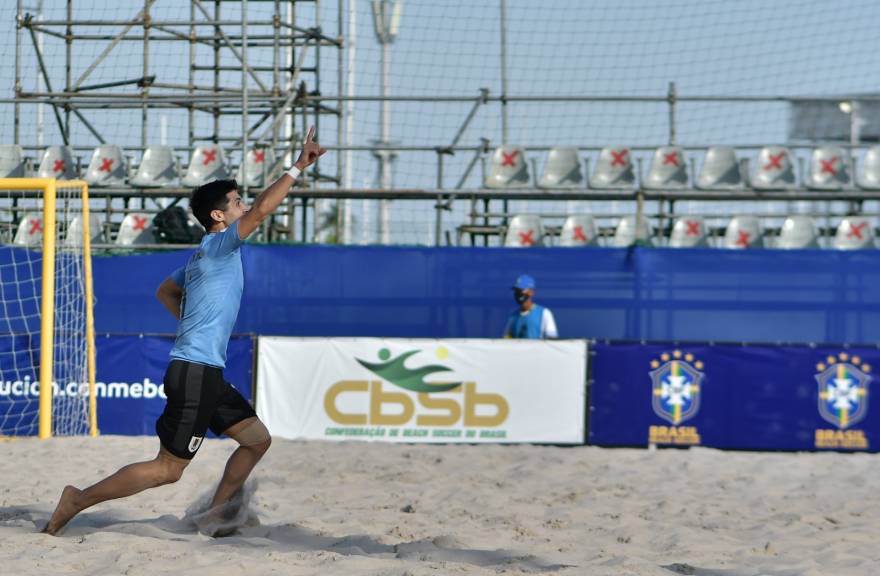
point(12, 164)
point(774, 169)
point(628, 233)
point(854, 233)
point(30, 230)
point(720, 170)
point(688, 232)
point(562, 170)
point(207, 164)
point(614, 170)
point(668, 170)
point(578, 230)
point(743, 232)
point(798, 232)
point(57, 162)
point(508, 169)
point(869, 174)
point(107, 167)
point(158, 168)
point(255, 168)
point(524, 231)
point(74, 234)
point(829, 169)
point(136, 228)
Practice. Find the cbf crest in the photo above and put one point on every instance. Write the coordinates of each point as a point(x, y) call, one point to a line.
point(843, 389)
point(676, 379)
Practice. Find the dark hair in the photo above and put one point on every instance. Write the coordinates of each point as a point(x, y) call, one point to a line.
point(208, 197)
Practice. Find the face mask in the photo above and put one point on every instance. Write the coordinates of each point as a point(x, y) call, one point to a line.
point(520, 296)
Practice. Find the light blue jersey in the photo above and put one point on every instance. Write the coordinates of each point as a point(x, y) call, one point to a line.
point(537, 323)
point(212, 282)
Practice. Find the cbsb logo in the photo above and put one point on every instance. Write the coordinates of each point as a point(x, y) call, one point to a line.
point(843, 389)
point(446, 411)
point(676, 383)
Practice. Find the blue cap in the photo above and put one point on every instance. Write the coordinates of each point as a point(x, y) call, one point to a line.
point(524, 282)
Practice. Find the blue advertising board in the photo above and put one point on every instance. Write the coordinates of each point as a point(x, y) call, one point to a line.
point(129, 379)
point(731, 396)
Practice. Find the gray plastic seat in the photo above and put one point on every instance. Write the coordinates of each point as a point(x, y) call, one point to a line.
point(508, 168)
point(868, 177)
point(743, 232)
point(107, 166)
point(57, 162)
point(720, 170)
point(562, 170)
point(578, 230)
point(136, 228)
point(854, 233)
point(158, 168)
point(829, 169)
point(630, 231)
point(30, 230)
point(614, 170)
point(774, 169)
point(12, 163)
point(798, 232)
point(254, 171)
point(668, 170)
point(688, 232)
point(208, 163)
point(74, 235)
point(524, 231)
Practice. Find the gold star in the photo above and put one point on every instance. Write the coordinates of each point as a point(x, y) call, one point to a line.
point(820, 367)
point(831, 360)
point(689, 357)
point(677, 353)
point(699, 365)
point(866, 368)
point(856, 360)
point(843, 356)
point(664, 357)
point(655, 364)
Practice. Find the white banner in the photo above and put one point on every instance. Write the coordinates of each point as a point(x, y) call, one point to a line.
point(396, 390)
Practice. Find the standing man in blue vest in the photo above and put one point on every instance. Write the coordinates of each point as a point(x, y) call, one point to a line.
point(530, 320)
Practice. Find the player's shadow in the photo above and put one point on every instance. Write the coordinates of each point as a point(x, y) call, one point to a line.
point(289, 537)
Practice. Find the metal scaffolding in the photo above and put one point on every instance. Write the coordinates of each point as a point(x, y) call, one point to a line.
point(271, 82)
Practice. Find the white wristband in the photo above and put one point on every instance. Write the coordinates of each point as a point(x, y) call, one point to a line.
point(294, 172)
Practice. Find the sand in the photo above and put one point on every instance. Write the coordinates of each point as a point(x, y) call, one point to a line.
point(383, 509)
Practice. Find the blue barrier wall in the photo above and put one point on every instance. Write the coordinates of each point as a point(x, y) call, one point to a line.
point(651, 294)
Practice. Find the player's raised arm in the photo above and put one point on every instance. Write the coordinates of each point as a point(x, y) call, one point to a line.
point(270, 198)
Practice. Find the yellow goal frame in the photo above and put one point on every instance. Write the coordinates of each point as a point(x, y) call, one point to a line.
point(49, 186)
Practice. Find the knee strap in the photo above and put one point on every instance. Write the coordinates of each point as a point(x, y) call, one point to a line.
point(254, 433)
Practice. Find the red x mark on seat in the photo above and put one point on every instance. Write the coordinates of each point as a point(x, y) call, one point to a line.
point(259, 156)
point(855, 230)
point(509, 159)
point(671, 158)
point(775, 162)
point(693, 228)
point(618, 158)
point(527, 238)
point(36, 226)
point(828, 166)
point(743, 238)
point(58, 166)
point(140, 222)
point(210, 155)
point(579, 234)
point(106, 165)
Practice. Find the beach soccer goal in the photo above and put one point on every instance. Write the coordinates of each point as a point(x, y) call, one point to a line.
point(47, 339)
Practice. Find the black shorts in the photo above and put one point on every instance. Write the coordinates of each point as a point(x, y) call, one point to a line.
point(198, 398)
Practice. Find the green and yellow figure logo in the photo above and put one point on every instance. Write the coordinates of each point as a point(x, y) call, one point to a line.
point(843, 389)
point(434, 403)
point(676, 381)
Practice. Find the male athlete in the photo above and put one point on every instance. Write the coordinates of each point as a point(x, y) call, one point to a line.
point(204, 296)
point(530, 320)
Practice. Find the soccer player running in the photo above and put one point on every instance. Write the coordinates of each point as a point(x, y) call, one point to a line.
point(204, 296)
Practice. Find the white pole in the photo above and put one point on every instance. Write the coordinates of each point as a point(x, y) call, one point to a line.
point(349, 113)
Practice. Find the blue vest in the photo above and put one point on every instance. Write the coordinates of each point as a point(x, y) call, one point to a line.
point(525, 326)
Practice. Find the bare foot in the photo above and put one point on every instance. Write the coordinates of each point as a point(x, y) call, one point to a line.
point(65, 510)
